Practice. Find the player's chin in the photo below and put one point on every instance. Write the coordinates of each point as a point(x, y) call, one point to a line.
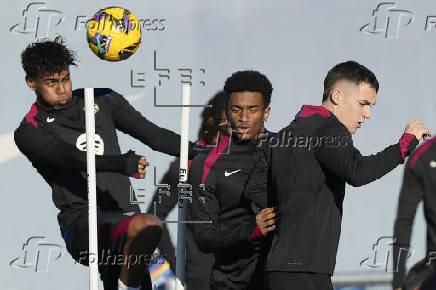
point(245, 136)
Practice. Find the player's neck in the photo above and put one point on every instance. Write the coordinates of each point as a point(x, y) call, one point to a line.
point(261, 133)
point(329, 106)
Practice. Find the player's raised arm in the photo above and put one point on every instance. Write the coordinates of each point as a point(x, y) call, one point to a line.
point(131, 122)
point(345, 160)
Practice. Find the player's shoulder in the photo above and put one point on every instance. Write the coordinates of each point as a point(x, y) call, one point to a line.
point(29, 123)
point(22, 131)
point(205, 160)
point(28, 133)
point(196, 167)
point(318, 119)
point(100, 93)
point(105, 98)
point(200, 157)
point(331, 126)
point(31, 119)
point(426, 153)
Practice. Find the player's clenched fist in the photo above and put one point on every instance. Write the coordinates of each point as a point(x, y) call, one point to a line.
point(265, 220)
point(417, 128)
point(141, 166)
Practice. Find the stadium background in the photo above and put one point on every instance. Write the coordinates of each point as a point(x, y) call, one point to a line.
point(293, 42)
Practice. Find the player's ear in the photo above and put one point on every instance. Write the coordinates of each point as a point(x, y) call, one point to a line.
point(335, 96)
point(266, 112)
point(210, 121)
point(30, 83)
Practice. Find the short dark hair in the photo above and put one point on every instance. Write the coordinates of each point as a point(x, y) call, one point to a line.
point(47, 57)
point(418, 274)
point(351, 71)
point(207, 131)
point(249, 81)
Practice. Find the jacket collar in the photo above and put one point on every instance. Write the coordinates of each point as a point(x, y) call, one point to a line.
point(308, 110)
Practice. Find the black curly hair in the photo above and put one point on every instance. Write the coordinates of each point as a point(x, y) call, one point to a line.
point(47, 57)
point(208, 131)
point(351, 71)
point(249, 81)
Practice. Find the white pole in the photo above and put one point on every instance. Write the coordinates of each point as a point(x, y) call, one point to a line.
point(183, 177)
point(92, 195)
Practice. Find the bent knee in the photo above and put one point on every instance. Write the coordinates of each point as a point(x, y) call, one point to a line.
point(140, 222)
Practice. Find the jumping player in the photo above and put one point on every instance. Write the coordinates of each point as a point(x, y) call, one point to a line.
point(218, 181)
point(52, 136)
point(310, 161)
point(419, 184)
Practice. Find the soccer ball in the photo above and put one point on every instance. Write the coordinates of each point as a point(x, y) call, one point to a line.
point(113, 33)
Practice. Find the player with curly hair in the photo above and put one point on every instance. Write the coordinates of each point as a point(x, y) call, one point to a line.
point(235, 222)
point(52, 136)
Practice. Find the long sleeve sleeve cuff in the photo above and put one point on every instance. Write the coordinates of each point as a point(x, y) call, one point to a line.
point(408, 143)
point(257, 233)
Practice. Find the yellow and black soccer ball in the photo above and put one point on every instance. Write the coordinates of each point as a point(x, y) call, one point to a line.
point(114, 33)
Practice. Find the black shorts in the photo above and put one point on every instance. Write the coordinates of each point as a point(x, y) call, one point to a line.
point(298, 281)
point(112, 236)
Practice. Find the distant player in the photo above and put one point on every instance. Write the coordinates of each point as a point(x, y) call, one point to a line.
point(213, 128)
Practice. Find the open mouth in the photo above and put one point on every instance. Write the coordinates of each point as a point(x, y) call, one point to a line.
point(243, 130)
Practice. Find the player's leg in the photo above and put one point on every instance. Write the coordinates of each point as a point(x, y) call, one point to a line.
point(143, 235)
point(76, 240)
point(113, 229)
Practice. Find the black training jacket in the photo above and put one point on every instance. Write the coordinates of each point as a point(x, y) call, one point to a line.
point(419, 184)
point(55, 142)
point(309, 163)
point(220, 197)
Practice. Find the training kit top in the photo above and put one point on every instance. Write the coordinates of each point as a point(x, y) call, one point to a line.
point(55, 142)
point(419, 183)
point(221, 201)
point(309, 163)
